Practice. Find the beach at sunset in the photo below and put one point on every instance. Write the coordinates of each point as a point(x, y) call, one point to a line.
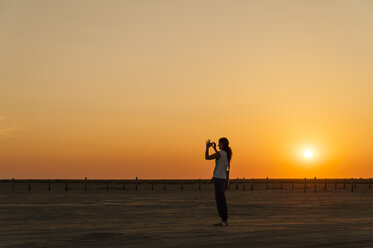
point(188, 123)
point(183, 218)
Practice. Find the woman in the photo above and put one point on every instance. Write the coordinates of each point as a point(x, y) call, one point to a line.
point(220, 177)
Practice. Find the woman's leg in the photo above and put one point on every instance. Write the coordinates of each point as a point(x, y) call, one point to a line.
point(221, 203)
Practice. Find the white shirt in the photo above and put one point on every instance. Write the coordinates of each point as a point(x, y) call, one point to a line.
point(221, 165)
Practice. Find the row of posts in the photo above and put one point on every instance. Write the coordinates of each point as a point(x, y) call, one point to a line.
point(352, 183)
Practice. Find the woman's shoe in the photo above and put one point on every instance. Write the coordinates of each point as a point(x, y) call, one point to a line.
point(221, 223)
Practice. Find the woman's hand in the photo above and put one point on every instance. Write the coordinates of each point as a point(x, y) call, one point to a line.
point(213, 145)
point(208, 144)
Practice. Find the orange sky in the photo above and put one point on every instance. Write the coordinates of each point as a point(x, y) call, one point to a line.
point(119, 89)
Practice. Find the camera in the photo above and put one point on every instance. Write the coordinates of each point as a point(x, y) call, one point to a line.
point(210, 143)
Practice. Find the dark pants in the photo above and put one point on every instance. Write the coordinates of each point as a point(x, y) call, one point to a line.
point(221, 203)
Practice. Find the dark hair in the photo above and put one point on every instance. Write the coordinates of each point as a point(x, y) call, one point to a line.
point(226, 147)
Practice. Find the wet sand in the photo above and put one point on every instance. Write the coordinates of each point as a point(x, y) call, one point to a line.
point(184, 218)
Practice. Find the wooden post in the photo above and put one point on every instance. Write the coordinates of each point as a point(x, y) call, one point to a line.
point(66, 187)
point(49, 185)
point(13, 184)
point(352, 185)
point(181, 186)
point(281, 186)
point(85, 183)
point(267, 183)
point(252, 184)
point(243, 186)
point(164, 186)
point(237, 183)
point(292, 185)
point(325, 184)
point(152, 187)
point(107, 186)
point(305, 184)
point(136, 183)
point(315, 187)
point(29, 186)
point(355, 184)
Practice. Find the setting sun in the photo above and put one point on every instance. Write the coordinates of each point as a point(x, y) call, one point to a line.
point(308, 153)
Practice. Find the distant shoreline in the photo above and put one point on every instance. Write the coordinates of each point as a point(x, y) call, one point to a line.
point(240, 180)
point(351, 184)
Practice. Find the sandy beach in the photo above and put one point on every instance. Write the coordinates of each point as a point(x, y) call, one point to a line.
point(184, 218)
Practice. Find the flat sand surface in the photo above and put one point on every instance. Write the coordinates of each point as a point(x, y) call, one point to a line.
point(175, 218)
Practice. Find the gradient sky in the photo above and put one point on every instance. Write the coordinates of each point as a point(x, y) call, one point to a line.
point(119, 89)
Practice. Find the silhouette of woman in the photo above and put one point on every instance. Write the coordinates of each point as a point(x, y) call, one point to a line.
point(220, 175)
